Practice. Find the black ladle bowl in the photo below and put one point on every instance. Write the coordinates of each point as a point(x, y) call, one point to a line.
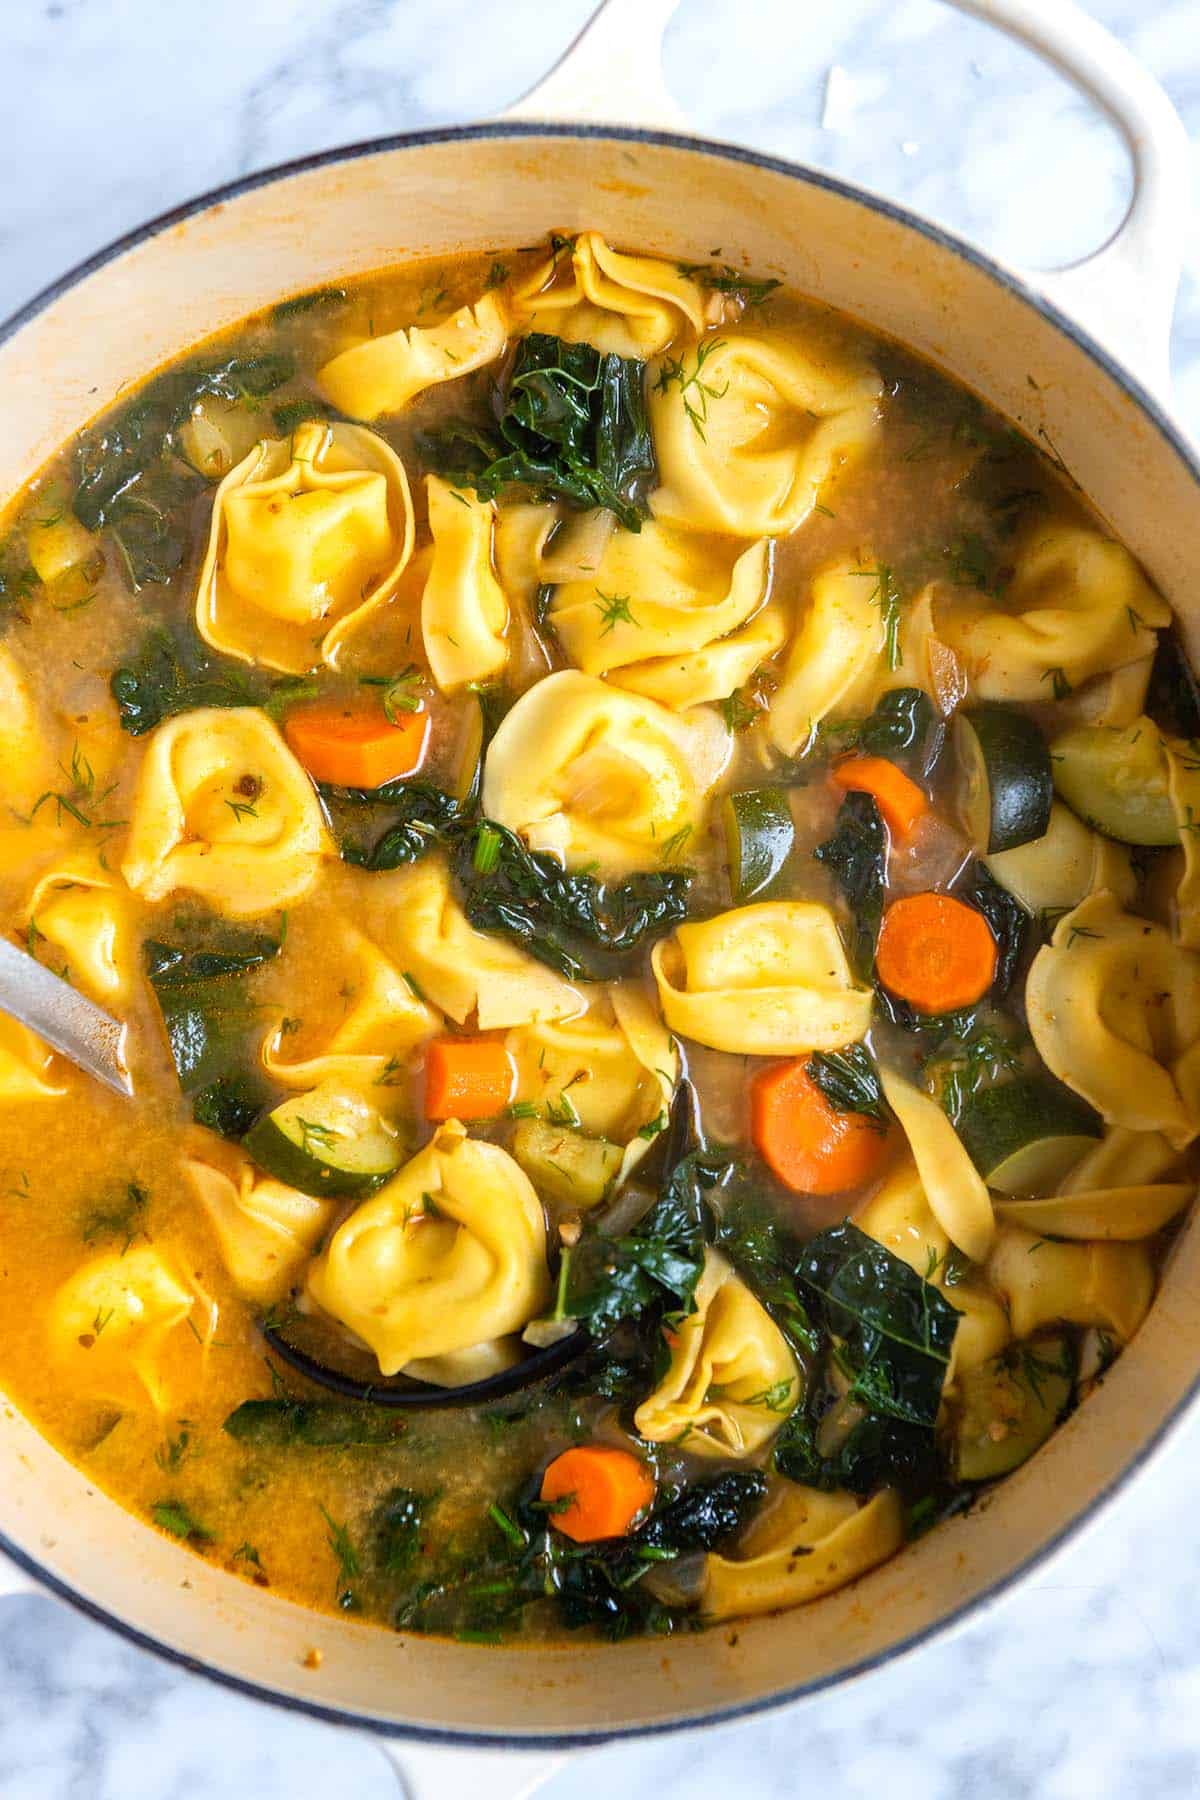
point(427, 1394)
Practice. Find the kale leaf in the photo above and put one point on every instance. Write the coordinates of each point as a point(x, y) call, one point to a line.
point(895, 1331)
point(129, 479)
point(657, 1262)
point(856, 855)
point(849, 1081)
point(165, 677)
point(209, 1020)
point(572, 425)
point(423, 818)
point(318, 1424)
point(905, 728)
point(1006, 916)
point(584, 928)
point(1173, 695)
point(877, 1450)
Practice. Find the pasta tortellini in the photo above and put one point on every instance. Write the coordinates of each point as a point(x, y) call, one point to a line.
point(839, 638)
point(464, 614)
point(589, 293)
point(953, 1186)
point(749, 429)
point(380, 1020)
point(309, 538)
point(458, 969)
point(765, 980)
point(382, 374)
point(801, 1544)
point(449, 1256)
point(1114, 1009)
point(266, 1231)
point(111, 1323)
point(1048, 1283)
point(25, 756)
point(601, 778)
point(612, 1068)
point(732, 1379)
point(668, 615)
point(79, 919)
point(1077, 606)
point(224, 810)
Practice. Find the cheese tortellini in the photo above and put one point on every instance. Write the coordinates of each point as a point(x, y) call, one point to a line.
point(840, 638)
point(414, 915)
point(612, 1068)
point(1077, 606)
point(382, 374)
point(266, 1231)
point(1114, 1009)
point(732, 1379)
point(1062, 867)
point(29, 1069)
point(671, 615)
point(953, 1186)
point(80, 921)
point(448, 1257)
point(26, 759)
point(601, 778)
point(309, 538)
point(380, 1021)
point(224, 810)
point(1049, 1283)
point(765, 980)
point(589, 293)
point(464, 614)
point(111, 1324)
point(802, 1543)
point(749, 429)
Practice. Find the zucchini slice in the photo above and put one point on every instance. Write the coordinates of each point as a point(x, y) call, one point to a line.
point(1023, 1135)
point(328, 1141)
point(1010, 1405)
point(1005, 786)
point(759, 837)
point(565, 1165)
point(1117, 781)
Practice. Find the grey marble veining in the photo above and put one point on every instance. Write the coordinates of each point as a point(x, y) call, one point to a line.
point(1086, 1684)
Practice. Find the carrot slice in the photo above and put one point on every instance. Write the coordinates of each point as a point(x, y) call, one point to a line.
point(809, 1144)
point(356, 746)
point(467, 1078)
point(606, 1490)
point(898, 798)
point(935, 952)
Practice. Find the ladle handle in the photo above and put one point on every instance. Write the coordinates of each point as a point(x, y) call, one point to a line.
point(1123, 294)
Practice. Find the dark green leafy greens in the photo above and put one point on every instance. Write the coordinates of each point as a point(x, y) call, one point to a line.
point(130, 479)
point(1173, 696)
point(572, 425)
point(168, 676)
point(421, 819)
point(656, 1263)
point(1008, 919)
point(906, 730)
point(317, 1424)
point(396, 1525)
point(849, 1081)
point(209, 1022)
point(584, 928)
point(856, 856)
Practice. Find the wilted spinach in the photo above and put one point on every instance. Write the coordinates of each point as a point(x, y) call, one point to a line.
point(209, 1021)
point(856, 856)
point(167, 676)
point(572, 425)
point(849, 1081)
point(904, 728)
point(1006, 916)
point(422, 817)
point(316, 1424)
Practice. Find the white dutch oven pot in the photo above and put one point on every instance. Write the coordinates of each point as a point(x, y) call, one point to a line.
point(1079, 358)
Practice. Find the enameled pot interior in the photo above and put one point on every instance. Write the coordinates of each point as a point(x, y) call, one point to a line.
point(503, 186)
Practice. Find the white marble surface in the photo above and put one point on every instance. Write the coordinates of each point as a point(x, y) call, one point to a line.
point(1086, 1683)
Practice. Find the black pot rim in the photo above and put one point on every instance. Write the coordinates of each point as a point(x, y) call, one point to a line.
point(1174, 439)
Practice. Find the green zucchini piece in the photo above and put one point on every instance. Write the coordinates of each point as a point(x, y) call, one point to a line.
point(328, 1141)
point(1023, 1135)
point(1117, 780)
point(565, 1165)
point(1005, 785)
point(1010, 1405)
point(760, 836)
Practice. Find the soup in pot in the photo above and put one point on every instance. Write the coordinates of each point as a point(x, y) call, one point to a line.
point(645, 845)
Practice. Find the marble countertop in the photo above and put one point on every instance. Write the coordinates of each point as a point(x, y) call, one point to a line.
point(1085, 1683)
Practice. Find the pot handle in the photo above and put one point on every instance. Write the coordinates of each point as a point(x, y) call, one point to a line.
point(436, 1772)
point(1124, 293)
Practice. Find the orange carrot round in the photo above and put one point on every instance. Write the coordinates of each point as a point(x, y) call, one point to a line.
point(899, 799)
point(601, 1491)
point(467, 1078)
point(356, 746)
point(809, 1144)
point(935, 952)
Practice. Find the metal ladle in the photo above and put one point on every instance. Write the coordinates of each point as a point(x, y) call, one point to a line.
point(79, 1030)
